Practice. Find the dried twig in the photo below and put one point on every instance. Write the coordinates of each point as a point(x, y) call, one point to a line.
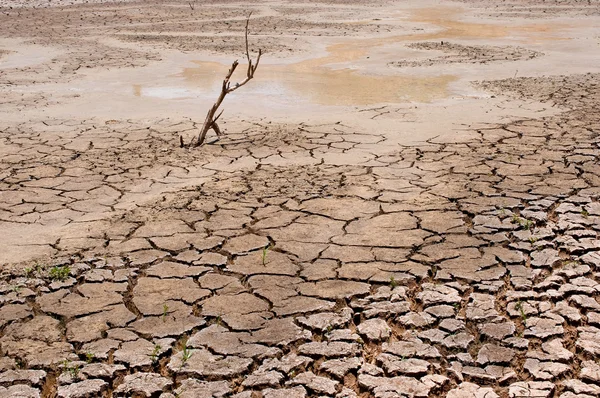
point(211, 120)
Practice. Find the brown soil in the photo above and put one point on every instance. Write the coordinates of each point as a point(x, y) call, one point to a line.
point(405, 202)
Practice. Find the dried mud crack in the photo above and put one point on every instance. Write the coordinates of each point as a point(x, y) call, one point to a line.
point(312, 259)
point(440, 269)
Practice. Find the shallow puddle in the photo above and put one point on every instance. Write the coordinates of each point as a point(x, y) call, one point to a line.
point(323, 86)
point(315, 81)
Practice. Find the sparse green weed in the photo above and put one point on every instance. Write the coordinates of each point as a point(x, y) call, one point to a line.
point(519, 306)
point(265, 250)
point(60, 273)
point(71, 369)
point(523, 222)
point(186, 354)
point(165, 312)
point(393, 282)
point(155, 353)
point(89, 357)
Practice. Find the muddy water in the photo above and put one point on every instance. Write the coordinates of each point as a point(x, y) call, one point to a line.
point(316, 81)
point(324, 86)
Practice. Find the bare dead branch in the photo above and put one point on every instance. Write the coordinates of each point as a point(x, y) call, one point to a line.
point(211, 120)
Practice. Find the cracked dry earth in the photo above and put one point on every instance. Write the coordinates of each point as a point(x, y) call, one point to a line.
point(444, 269)
point(305, 260)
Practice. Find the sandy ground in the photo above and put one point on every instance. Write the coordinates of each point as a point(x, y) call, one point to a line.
point(405, 202)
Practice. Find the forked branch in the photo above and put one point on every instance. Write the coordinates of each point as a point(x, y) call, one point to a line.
point(211, 117)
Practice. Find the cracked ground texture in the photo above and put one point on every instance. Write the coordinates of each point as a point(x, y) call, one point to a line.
point(440, 269)
point(304, 259)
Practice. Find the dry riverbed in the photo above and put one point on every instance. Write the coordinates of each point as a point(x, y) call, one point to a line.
point(406, 201)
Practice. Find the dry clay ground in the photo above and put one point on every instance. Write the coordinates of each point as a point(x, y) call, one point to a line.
point(293, 260)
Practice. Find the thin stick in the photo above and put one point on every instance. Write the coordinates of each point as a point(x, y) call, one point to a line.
point(211, 120)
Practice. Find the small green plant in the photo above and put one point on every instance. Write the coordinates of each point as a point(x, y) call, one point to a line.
point(60, 273)
point(28, 272)
point(393, 282)
point(265, 250)
point(523, 222)
point(155, 353)
point(585, 213)
point(519, 306)
point(186, 354)
point(165, 312)
point(219, 320)
point(89, 357)
point(532, 239)
point(72, 370)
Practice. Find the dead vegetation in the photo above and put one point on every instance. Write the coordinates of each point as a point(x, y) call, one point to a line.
point(210, 123)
